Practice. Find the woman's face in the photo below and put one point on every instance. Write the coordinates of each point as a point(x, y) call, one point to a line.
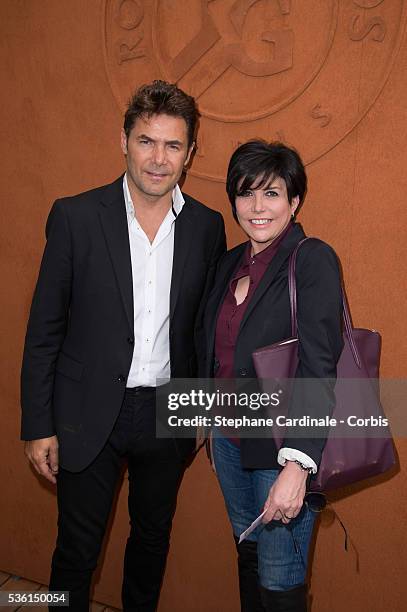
point(265, 212)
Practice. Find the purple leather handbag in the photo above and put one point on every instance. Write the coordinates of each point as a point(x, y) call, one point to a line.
point(349, 459)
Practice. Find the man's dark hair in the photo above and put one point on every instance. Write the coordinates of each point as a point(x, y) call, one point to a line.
point(256, 163)
point(162, 98)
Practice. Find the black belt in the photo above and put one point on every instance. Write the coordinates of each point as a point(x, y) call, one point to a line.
point(140, 390)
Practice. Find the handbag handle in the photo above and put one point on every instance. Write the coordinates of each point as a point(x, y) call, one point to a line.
point(293, 305)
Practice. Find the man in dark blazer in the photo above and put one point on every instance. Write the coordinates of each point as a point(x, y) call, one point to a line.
point(117, 308)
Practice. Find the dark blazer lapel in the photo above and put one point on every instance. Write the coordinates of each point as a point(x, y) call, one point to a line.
point(184, 229)
point(215, 301)
point(113, 217)
point(286, 247)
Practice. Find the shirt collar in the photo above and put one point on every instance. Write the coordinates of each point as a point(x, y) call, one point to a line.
point(266, 255)
point(177, 199)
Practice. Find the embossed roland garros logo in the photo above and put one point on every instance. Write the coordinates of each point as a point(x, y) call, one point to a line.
point(303, 71)
point(238, 39)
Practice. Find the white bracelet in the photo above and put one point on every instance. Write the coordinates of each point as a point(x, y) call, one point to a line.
point(302, 466)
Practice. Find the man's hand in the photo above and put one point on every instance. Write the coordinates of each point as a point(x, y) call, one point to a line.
point(286, 496)
point(43, 454)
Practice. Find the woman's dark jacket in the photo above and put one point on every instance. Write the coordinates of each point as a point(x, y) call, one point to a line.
point(267, 320)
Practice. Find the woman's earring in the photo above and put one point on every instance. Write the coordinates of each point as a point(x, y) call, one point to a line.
point(292, 216)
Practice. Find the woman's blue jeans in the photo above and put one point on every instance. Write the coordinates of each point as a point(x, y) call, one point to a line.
point(282, 550)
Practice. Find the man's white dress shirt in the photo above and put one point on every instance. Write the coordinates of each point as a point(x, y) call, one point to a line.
point(151, 265)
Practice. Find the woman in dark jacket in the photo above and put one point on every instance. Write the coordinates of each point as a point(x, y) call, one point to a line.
point(249, 308)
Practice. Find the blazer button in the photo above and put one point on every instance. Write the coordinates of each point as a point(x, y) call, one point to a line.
point(121, 378)
point(130, 340)
point(243, 372)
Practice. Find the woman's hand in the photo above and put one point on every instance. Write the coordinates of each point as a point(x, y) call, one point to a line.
point(286, 496)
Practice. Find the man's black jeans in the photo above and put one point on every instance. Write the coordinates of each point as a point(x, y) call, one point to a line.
point(85, 500)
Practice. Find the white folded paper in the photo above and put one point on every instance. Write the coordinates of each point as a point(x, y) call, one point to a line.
point(252, 527)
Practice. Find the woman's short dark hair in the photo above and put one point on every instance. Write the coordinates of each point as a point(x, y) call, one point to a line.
point(256, 163)
point(162, 98)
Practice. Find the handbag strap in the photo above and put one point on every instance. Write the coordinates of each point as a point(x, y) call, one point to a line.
point(293, 305)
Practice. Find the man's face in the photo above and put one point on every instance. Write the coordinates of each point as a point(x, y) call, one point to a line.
point(156, 152)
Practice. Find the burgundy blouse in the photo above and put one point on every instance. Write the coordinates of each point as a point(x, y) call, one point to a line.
point(231, 315)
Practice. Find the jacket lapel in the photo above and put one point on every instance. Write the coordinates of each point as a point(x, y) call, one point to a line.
point(182, 244)
point(215, 300)
point(113, 217)
point(287, 246)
